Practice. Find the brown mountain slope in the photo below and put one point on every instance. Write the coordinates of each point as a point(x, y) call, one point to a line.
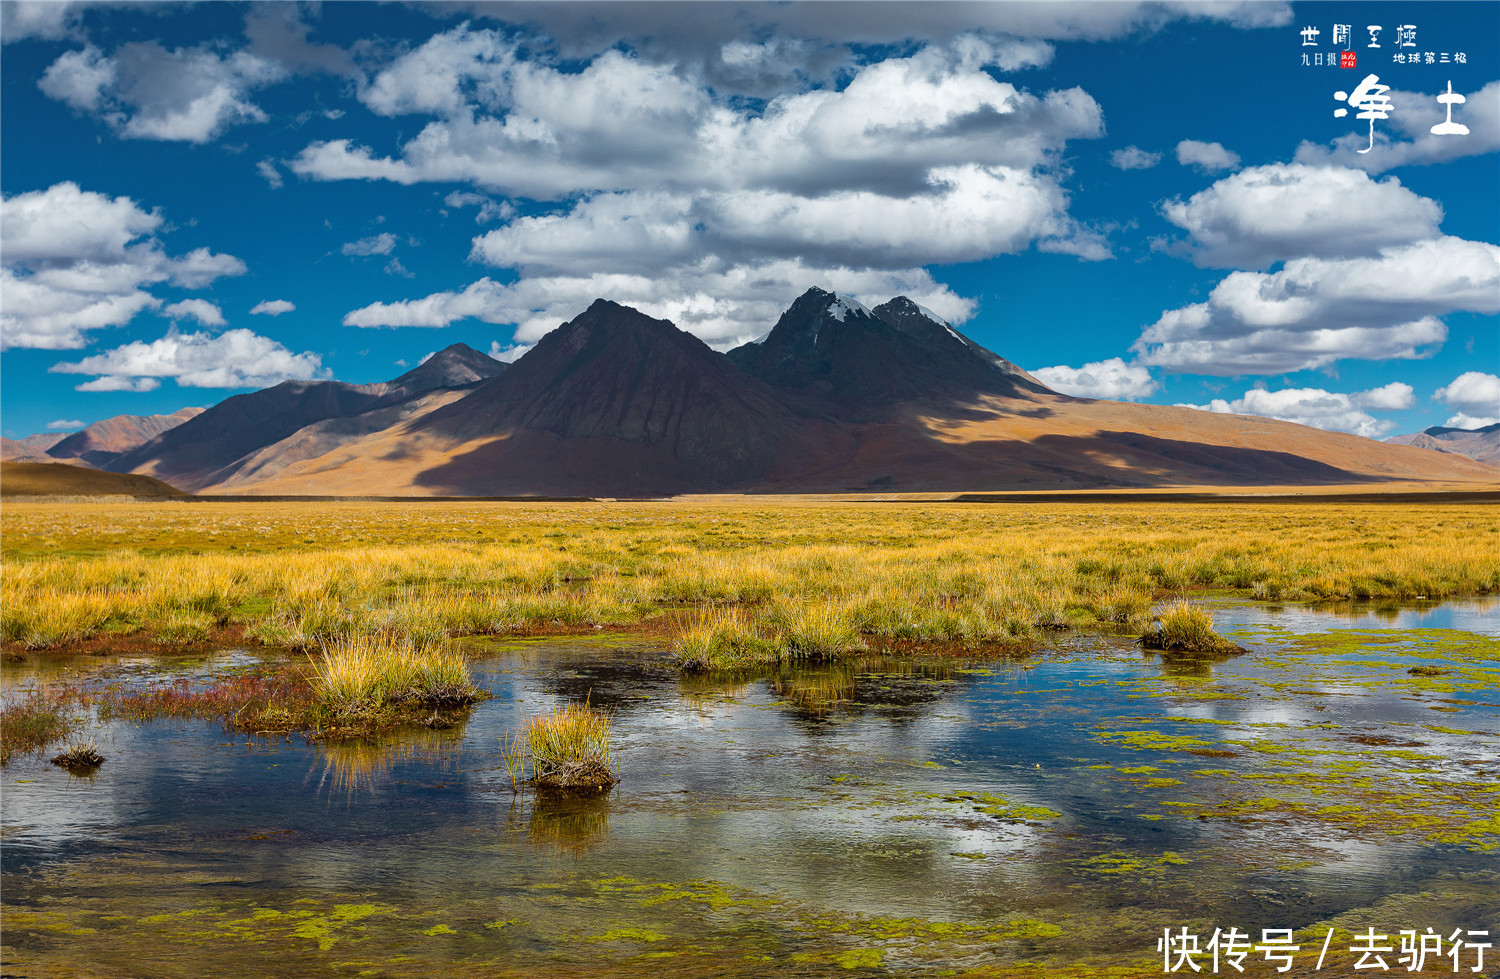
point(22, 479)
point(102, 442)
point(1080, 444)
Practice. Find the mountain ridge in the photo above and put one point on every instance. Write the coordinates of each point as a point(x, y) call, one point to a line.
point(836, 398)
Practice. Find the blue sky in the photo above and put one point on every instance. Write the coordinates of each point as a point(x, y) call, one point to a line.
point(1151, 202)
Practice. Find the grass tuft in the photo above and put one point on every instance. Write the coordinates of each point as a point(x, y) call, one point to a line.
point(370, 673)
point(570, 750)
point(1186, 628)
point(33, 723)
point(82, 758)
point(722, 640)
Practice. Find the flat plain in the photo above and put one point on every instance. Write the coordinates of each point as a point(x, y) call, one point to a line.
point(297, 574)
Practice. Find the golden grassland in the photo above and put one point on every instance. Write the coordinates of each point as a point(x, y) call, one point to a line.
point(776, 581)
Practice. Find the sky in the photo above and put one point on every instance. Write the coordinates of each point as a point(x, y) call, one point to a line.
point(1173, 203)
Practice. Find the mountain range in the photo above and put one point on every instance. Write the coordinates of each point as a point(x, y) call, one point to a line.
point(835, 398)
point(1480, 444)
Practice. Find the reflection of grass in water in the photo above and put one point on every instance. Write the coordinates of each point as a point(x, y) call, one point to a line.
point(568, 826)
point(816, 689)
point(349, 767)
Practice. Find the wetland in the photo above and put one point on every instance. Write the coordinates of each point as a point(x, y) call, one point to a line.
point(1042, 801)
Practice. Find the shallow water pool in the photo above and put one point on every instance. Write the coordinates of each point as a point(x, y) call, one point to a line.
point(1050, 814)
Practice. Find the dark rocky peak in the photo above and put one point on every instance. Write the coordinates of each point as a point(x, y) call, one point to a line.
point(812, 343)
point(641, 406)
point(610, 371)
point(861, 362)
point(451, 367)
point(927, 327)
point(455, 366)
point(916, 321)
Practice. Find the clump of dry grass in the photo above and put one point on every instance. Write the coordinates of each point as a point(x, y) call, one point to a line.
point(570, 750)
point(1185, 628)
point(82, 758)
point(370, 673)
point(722, 640)
point(814, 630)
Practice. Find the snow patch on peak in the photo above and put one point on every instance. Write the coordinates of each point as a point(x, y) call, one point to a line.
point(841, 307)
point(938, 320)
point(930, 314)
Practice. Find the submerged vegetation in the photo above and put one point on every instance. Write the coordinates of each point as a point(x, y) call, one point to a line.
point(32, 723)
point(736, 583)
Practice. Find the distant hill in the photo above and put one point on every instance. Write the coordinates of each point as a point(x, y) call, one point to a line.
point(23, 479)
point(1479, 444)
point(32, 447)
point(102, 442)
point(835, 398)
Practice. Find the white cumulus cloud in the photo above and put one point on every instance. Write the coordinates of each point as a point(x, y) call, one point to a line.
point(201, 310)
point(1207, 157)
point(1111, 379)
point(1329, 410)
point(1267, 214)
point(669, 189)
point(63, 423)
point(724, 307)
point(271, 307)
point(1462, 420)
point(1416, 113)
point(381, 244)
point(1315, 311)
point(72, 261)
point(146, 91)
point(269, 173)
point(232, 359)
point(1476, 397)
point(508, 353)
point(1133, 158)
point(1365, 274)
